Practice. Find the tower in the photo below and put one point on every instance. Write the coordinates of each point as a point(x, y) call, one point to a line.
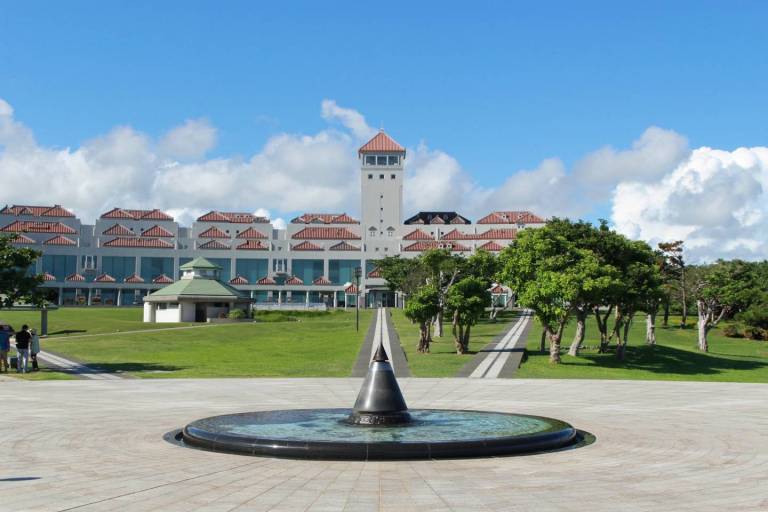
point(381, 166)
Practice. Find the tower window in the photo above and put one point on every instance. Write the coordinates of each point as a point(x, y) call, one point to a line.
point(394, 160)
point(370, 176)
point(381, 160)
point(392, 176)
point(381, 176)
point(370, 160)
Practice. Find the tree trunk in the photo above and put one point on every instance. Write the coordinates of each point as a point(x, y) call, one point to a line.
point(666, 313)
point(650, 328)
point(554, 343)
point(621, 346)
point(684, 319)
point(578, 338)
point(439, 325)
point(703, 326)
point(602, 326)
point(543, 342)
point(424, 338)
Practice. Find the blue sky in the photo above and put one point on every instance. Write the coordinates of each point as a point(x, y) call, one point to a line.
point(498, 86)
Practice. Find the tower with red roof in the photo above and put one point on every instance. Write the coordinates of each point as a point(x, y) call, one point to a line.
point(381, 166)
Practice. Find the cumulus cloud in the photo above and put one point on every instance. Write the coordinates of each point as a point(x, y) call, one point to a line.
point(716, 201)
point(191, 140)
point(349, 118)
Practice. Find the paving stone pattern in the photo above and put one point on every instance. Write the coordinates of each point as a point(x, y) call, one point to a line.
point(661, 446)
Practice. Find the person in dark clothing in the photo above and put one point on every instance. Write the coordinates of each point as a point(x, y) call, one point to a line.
point(23, 338)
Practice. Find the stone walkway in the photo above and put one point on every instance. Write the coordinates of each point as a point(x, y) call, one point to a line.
point(382, 330)
point(501, 357)
point(93, 446)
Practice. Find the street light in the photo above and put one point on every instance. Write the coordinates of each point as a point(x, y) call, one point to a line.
point(358, 273)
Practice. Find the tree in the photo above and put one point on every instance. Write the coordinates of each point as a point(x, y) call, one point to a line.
point(402, 274)
point(443, 269)
point(486, 266)
point(16, 283)
point(422, 306)
point(549, 274)
point(465, 302)
point(720, 289)
point(673, 275)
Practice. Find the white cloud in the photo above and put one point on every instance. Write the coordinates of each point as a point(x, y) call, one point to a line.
point(717, 201)
point(349, 118)
point(190, 141)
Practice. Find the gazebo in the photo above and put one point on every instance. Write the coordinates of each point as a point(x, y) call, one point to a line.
point(197, 297)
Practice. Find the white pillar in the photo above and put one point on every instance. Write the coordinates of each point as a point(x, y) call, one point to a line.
point(279, 296)
point(89, 296)
point(61, 295)
point(335, 300)
point(119, 296)
point(306, 298)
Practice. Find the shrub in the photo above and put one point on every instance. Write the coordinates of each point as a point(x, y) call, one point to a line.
point(237, 314)
point(755, 316)
point(732, 331)
point(755, 333)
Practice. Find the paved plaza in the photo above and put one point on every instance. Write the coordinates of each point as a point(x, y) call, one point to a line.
point(661, 446)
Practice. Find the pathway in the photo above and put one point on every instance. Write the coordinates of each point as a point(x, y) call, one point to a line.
point(501, 357)
point(381, 330)
point(72, 367)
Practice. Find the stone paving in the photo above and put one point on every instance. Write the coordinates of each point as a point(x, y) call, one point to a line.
point(661, 446)
point(502, 356)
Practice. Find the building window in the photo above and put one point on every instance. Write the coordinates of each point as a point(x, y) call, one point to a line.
point(370, 176)
point(381, 160)
point(381, 176)
point(389, 233)
point(394, 160)
point(392, 176)
point(370, 160)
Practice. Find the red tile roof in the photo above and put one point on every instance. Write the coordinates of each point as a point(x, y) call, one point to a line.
point(424, 245)
point(119, 230)
point(22, 226)
point(375, 273)
point(238, 280)
point(37, 211)
point(497, 289)
point(121, 213)
point(252, 233)
point(253, 245)
point(60, 240)
point(343, 246)
point(105, 278)
point(74, 277)
point(48, 277)
point(351, 289)
point(325, 234)
point(491, 246)
point(455, 234)
point(213, 244)
point(134, 279)
point(232, 217)
point(145, 243)
point(162, 279)
point(213, 232)
point(381, 143)
point(22, 239)
point(497, 234)
point(306, 246)
point(324, 218)
point(321, 281)
point(524, 217)
point(157, 231)
point(293, 280)
point(266, 280)
point(418, 234)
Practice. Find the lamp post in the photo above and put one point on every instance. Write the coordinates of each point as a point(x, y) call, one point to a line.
point(358, 273)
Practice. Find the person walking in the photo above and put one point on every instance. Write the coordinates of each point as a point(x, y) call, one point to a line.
point(23, 338)
point(34, 349)
point(5, 346)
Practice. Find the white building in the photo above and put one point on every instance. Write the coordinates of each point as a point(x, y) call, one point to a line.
point(127, 254)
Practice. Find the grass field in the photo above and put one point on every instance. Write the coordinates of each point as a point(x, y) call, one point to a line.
point(675, 357)
point(442, 361)
point(300, 346)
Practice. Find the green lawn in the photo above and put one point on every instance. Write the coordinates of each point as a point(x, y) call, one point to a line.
point(442, 361)
point(84, 320)
point(674, 358)
point(313, 345)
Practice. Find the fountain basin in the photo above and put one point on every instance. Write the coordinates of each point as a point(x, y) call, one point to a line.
point(328, 434)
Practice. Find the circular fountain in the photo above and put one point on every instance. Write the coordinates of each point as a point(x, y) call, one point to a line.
point(379, 427)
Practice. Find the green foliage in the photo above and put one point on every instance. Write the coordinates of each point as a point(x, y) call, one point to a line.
point(756, 315)
point(423, 304)
point(16, 285)
point(732, 331)
point(465, 302)
point(483, 265)
point(237, 314)
point(402, 274)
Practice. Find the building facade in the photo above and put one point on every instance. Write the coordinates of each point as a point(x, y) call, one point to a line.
point(127, 254)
